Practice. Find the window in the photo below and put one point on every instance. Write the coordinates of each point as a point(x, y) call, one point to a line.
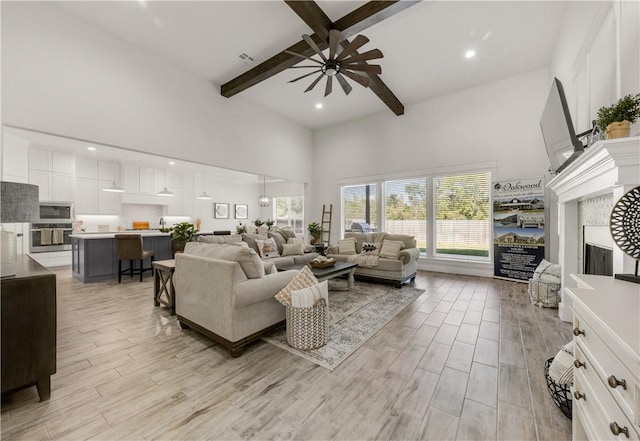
point(462, 215)
point(288, 212)
point(359, 206)
point(405, 209)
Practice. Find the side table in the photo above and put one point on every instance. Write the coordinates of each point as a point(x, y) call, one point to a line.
point(163, 284)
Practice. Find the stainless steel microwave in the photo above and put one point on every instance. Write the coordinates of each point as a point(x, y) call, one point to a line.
point(56, 211)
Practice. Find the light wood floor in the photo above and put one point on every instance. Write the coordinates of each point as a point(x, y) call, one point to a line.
point(464, 361)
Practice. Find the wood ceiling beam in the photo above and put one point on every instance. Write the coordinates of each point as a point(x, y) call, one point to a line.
point(352, 23)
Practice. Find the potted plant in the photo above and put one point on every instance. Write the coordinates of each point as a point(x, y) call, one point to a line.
point(269, 223)
point(615, 120)
point(181, 234)
point(260, 228)
point(315, 230)
point(240, 228)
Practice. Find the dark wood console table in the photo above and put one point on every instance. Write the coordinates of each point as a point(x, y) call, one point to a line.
point(28, 313)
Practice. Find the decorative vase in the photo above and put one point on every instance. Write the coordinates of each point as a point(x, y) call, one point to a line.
point(316, 238)
point(618, 129)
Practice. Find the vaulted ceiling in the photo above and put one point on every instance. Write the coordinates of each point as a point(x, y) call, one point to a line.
point(424, 46)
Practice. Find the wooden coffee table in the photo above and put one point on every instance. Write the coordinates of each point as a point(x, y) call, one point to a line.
point(322, 274)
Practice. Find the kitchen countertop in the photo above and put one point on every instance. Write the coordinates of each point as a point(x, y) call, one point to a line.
point(111, 235)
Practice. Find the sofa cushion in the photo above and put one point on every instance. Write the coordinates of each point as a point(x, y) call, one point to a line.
point(347, 246)
point(391, 248)
point(267, 248)
point(280, 240)
point(228, 239)
point(304, 279)
point(292, 249)
point(409, 241)
point(250, 239)
point(247, 258)
point(293, 240)
point(287, 234)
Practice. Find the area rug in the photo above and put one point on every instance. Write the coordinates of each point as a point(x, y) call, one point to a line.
point(354, 317)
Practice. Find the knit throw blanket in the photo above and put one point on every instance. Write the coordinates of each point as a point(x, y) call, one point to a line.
point(363, 259)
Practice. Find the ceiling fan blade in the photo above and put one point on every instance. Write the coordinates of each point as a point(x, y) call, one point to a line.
point(369, 55)
point(314, 46)
point(345, 85)
point(300, 67)
point(304, 76)
point(357, 78)
point(303, 56)
point(312, 85)
point(334, 38)
point(352, 46)
point(370, 68)
point(327, 89)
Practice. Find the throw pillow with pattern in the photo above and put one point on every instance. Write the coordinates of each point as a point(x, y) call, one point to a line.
point(268, 248)
point(371, 248)
point(304, 279)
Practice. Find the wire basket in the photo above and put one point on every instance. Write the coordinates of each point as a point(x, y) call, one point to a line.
point(544, 294)
point(560, 393)
point(307, 327)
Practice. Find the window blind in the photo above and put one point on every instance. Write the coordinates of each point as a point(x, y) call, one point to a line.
point(360, 205)
point(405, 208)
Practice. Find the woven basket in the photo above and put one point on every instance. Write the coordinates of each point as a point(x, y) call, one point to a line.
point(325, 264)
point(560, 393)
point(307, 327)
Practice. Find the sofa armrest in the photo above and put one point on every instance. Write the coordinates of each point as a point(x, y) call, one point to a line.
point(408, 255)
point(257, 290)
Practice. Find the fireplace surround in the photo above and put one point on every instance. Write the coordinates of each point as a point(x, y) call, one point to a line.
point(607, 167)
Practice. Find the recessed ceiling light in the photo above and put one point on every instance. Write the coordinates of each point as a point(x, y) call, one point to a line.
point(470, 53)
point(319, 106)
point(143, 3)
point(172, 163)
point(91, 148)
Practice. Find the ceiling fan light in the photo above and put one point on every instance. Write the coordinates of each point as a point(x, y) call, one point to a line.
point(165, 193)
point(113, 188)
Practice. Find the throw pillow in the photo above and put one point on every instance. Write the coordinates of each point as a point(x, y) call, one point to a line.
point(309, 297)
point(347, 246)
point(299, 240)
point(268, 248)
point(292, 249)
point(391, 248)
point(251, 240)
point(287, 234)
point(371, 248)
point(303, 279)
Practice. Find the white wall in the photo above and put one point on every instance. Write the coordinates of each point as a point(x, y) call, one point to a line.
point(494, 122)
point(62, 76)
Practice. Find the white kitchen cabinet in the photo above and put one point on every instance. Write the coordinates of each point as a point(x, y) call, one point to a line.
point(188, 202)
point(86, 168)
point(159, 180)
point(61, 187)
point(22, 231)
point(174, 179)
point(86, 196)
point(39, 159)
point(174, 203)
point(131, 178)
point(147, 181)
point(62, 162)
point(15, 159)
point(43, 180)
point(188, 180)
point(108, 171)
point(108, 202)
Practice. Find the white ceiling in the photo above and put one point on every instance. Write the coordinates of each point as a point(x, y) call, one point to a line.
point(423, 46)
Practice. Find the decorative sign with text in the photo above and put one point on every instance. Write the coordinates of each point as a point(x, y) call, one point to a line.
point(518, 228)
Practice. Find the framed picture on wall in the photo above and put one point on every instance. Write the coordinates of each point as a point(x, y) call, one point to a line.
point(220, 211)
point(242, 211)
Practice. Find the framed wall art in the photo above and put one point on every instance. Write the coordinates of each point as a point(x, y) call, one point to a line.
point(242, 211)
point(220, 211)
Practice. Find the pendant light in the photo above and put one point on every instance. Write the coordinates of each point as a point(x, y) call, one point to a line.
point(204, 195)
point(165, 192)
point(264, 200)
point(113, 188)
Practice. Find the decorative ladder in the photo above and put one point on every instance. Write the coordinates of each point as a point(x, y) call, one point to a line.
point(326, 223)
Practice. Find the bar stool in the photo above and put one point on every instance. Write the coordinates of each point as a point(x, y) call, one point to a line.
point(130, 248)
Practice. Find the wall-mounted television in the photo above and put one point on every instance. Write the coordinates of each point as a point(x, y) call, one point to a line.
point(563, 146)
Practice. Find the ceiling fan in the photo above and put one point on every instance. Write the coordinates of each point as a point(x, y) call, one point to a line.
point(341, 64)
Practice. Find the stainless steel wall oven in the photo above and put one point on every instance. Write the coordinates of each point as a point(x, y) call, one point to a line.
point(51, 232)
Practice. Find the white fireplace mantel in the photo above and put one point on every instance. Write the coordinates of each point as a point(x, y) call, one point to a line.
point(611, 166)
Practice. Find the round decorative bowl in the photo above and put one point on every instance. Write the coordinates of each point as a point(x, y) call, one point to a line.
point(326, 264)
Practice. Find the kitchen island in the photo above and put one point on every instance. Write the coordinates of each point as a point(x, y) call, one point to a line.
point(94, 256)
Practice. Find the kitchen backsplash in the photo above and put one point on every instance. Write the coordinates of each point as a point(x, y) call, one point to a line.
point(130, 213)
